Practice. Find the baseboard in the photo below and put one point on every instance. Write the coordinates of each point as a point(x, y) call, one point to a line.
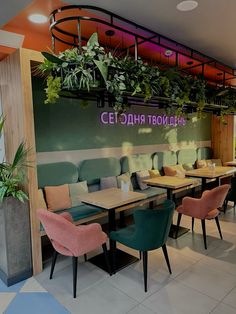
point(11, 280)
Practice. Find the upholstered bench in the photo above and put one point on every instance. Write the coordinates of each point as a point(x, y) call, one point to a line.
point(53, 180)
point(140, 166)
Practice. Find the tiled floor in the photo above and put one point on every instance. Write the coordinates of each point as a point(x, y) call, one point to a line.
point(203, 281)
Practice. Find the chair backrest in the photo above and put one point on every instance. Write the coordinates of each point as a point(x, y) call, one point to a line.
point(60, 231)
point(152, 226)
point(210, 200)
point(215, 197)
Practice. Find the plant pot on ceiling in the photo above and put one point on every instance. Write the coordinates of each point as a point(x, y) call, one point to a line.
point(15, 238)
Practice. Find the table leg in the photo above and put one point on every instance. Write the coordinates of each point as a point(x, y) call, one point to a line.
point(181, 230)
point(118, 258)
point(203, 184)
point(169, 194)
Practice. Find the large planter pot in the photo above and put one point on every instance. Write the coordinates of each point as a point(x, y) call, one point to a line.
point(15, 241)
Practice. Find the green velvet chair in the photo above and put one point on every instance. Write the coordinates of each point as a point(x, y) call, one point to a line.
point(149, 232)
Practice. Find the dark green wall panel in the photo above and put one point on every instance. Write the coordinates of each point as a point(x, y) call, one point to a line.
point(66, 125)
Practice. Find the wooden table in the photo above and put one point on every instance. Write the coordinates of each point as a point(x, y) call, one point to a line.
point(230, 163)
point(114, 200)
point(206, 173)
point(172, 184)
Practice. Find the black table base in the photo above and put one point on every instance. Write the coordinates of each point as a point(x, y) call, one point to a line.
point(181, 231)
point(123, 260)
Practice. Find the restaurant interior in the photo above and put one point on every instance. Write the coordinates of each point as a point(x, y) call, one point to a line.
point(118, 167)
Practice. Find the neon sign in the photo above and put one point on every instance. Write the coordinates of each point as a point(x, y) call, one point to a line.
point(131, 119)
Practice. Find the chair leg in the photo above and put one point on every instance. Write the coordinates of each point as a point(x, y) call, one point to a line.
point(218, 226)
point(75, 265)
point(192, 224)
point(164, 249)
point(145, 262)
point(178, 223)
point(104, 246)
point(54, 259)
point(204, 232)
point(85, 257)
point(140, 255)
point(113, 256)
point(225, 205)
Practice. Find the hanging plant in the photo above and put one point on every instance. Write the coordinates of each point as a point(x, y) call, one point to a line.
point(91, 68)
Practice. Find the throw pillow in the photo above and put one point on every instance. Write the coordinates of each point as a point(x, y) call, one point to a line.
point(41, 201)
point(142, 175)
point(201, 163)
point(125, 177)
point(174, 171)
point(77, 189)
point(188, 166)
point(108, 182)
point(154, 173)
point(57, 197)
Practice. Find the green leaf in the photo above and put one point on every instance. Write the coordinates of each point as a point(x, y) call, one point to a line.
point(103, 68)
point(2, 120)
point(92, 40)
point(52, 58)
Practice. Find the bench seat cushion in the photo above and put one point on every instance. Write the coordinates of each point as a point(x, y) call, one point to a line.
point(82, 211)
point(151, 191)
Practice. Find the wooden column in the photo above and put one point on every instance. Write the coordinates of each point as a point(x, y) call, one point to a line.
point(222, 138)
point(17, 105)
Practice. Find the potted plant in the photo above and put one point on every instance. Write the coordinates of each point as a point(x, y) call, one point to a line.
point(15, 243)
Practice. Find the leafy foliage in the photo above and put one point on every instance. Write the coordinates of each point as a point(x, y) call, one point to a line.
point(12, 175)
point(91, 67)
point(53, 88)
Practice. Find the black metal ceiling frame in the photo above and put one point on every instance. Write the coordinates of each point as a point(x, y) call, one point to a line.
point(110, 22)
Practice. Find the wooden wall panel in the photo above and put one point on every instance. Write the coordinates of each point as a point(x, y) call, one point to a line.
point(16, 95)
point(223, 138)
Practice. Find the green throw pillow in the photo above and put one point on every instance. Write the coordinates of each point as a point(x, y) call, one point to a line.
point(77, 189)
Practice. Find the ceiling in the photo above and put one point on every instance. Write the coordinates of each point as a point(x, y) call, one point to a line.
point(210, 28)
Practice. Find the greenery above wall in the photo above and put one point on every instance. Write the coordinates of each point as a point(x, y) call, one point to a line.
point(91, 69)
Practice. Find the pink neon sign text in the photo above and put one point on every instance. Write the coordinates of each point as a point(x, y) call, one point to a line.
point(131, 119)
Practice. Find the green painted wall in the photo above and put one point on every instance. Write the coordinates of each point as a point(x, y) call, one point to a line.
point(66, 125)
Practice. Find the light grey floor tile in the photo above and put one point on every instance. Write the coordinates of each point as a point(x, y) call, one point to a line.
point(61, 282)
point(102, 298)
point(230, 299)
point(5, 300)
point(130, 281)
point(140, 309)
point(223, 309)
point(178, 261)
point(208, 280)
point(32, 285)
point(222, 258)
point(176, 298)
point(191, 245)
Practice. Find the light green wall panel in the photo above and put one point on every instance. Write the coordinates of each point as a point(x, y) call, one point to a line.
point(66, 125)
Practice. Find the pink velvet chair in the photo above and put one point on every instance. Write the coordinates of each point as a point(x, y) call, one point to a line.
point(70, 240)
point(204, 208)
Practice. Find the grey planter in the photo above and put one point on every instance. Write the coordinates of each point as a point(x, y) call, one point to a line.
point(15, 241)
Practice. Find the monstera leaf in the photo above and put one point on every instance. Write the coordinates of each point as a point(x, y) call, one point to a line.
point(103, 68)
point(92, 40)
